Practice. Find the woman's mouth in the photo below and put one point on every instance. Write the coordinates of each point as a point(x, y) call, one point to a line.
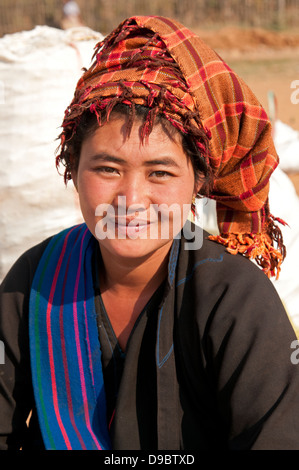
point(131, 227)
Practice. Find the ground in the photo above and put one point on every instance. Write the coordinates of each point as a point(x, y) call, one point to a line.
point(267, 61)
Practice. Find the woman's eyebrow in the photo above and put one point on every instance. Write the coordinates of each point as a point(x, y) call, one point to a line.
point(167, 161)
point(106, 157)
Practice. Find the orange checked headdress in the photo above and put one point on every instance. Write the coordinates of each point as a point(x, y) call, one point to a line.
point(159, 63)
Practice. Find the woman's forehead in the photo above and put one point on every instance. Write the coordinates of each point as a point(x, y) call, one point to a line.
point(125, 128)
point(112, 139)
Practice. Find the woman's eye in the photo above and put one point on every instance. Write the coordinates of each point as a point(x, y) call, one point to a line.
point(160, 174)
point(106, 170)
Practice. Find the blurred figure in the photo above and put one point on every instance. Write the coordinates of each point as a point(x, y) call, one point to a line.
point(71, 14)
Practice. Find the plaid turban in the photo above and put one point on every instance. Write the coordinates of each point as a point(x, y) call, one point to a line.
point(159, 63)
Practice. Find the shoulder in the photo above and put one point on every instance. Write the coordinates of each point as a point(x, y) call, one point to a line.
point(208, 261)
point(20, 276)
point(226, 289)
point(22, 272)
point(14, 305)
point(233, 308)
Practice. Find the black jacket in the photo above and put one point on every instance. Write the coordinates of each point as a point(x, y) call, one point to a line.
point(207, 366)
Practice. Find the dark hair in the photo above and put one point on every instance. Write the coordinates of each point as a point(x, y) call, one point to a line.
point(89, 123)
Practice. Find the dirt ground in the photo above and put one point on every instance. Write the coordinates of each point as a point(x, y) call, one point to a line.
point(267, 61)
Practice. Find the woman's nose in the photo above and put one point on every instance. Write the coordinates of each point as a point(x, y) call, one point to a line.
point(133, 193)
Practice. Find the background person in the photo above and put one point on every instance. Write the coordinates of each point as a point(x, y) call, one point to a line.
point(71, 14)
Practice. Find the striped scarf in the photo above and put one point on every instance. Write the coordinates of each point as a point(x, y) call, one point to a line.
point(64, 346)
point(159, 63)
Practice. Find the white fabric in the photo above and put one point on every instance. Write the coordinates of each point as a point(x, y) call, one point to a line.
point(286, 141)
point(284, 202)
point(38, 72)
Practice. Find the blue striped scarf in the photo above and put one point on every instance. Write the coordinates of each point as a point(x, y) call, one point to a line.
point(64, 346)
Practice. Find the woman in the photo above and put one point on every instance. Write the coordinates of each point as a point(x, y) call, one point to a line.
point(141, 337)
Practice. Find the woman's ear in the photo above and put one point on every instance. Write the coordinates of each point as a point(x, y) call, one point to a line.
point(74, 178)
point(197, 186)
point(202, 184)
point(73, 171)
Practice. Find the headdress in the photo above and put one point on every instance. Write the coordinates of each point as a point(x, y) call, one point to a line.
point(159, 63)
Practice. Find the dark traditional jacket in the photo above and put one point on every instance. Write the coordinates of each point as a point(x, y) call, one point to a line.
point(207, 366)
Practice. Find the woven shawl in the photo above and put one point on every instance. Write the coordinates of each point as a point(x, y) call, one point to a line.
point(158, 62)
point(65, 352)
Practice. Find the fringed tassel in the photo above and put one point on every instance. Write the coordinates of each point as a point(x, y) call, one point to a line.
point(258, 247)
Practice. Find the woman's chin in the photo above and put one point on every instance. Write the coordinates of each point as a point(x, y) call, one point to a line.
point(133, 248)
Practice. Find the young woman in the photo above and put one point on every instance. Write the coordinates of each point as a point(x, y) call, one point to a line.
point(136, 330)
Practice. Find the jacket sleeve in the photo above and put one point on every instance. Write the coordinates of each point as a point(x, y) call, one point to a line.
point(16, 396)
point(248, 346)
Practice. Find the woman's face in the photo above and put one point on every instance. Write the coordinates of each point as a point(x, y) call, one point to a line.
point(135, 195)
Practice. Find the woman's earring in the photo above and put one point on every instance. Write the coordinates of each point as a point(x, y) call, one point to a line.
point(193, 208)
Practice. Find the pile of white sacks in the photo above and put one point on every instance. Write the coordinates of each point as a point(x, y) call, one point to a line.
point(38, 73)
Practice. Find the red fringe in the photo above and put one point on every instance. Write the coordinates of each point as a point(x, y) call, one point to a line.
point(258, 247)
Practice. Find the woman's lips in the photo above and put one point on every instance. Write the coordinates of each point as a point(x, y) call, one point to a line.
point(131, 221)
point(131, 227)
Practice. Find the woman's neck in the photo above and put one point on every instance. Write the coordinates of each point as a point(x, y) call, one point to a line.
point(127, 285)
point(134, 276)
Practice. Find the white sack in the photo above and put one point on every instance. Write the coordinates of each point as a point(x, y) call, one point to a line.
point(284, 203)
point(39, 70)
point(286, 141)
